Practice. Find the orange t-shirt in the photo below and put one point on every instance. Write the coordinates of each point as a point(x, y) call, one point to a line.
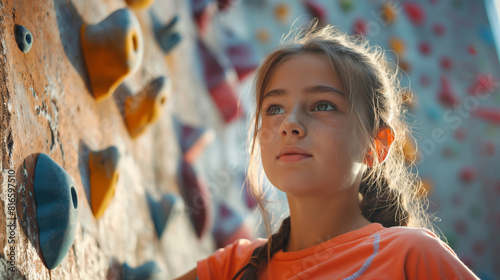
point(371, 252)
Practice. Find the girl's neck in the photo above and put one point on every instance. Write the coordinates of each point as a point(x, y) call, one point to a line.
point(318, 219)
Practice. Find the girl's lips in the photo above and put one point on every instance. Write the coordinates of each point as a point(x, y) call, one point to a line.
point(293, 157)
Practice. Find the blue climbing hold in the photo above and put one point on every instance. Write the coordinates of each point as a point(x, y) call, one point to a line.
point(168, 36)
point(163, 211)
point(148, 271)
point(24, 38)
point(56, 210)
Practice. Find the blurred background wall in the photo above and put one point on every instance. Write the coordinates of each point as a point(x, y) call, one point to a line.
point(180, 193)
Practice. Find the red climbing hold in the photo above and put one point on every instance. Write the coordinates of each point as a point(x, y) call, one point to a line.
point(446, 96)
point(316, 10)
point(467, 174)
point(472, 50)
point(446, 63)
point(438, 29)
point(221, 89)
point(414, 12)
point(359, 27)
point(488, 114)
point(424, 48)
point(483, 84)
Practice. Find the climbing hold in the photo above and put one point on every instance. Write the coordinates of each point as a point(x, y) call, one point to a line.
point(147, 271)
point(203, 12)
point(24, 38)
point(250, 200)
point(359, 27)
point(404, 65)
point(192, 140)
point(446, 63)
point(316, 10)
point(426, 187)
point(346, 5)
point(262, 35)
point(488, 149)
point(485, 83)
point(410, 150)
point(146, 107)
point(168, 36)
point(446, 96)
point(56, 210)
point(229, 226)
point(139, 4)
point(221, 90)
point(241, 54)
point(409, 99)
point(224, 5)
point(467, 174)
point(196, 198)
point(472, 50)
point(112, 49)
point(282, 12)
point(397, 45)
point(488, 114)
point(388, 12)
point(438, 29)
point(163, 211)
point(424, 48)
point(103, 169)
point(414, 12)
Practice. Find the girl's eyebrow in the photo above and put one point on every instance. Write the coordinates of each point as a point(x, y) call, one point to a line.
point(311, 89)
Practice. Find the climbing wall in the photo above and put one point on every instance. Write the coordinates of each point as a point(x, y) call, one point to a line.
point(122, 138)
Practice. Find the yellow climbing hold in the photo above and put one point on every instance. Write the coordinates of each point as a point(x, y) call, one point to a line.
point(139, 4)
point(397, 45)
point(103, 166)
point(388, 12)
point(282, 12)
point(146, 107)
point(410, 150)
point(112, 49)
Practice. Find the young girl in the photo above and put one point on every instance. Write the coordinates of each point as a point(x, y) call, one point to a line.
point(329, 129)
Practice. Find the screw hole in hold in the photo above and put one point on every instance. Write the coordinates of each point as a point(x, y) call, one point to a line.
point(28, 38)
point(74, 197)
point(134, 42)
point(162, 100)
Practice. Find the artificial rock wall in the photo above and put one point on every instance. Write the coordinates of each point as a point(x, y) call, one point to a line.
point(146, 83)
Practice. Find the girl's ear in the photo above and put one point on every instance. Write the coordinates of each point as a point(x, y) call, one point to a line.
point(383, 142)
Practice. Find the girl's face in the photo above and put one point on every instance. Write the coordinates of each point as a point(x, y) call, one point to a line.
point(304, 135)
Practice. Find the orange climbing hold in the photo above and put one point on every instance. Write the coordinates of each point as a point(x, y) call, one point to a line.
point(282, 12)
point(146, 107)
point(397, 45)
point(388, 12)
point(112, 49)
point(139, 4)
point(103, 166)
point(410, 150)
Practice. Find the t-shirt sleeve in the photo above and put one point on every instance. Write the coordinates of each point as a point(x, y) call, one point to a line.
point(225, 262)
point(431, 258)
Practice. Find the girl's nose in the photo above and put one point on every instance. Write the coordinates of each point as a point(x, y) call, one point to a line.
point(293, 125)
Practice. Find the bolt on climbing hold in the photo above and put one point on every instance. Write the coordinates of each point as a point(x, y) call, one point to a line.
point(103, 166)
point(24, 38)
point(113, 50)
point(56, 210)
point(146, 107)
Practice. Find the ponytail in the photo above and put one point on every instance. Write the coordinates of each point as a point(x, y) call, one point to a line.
point(262, 254)
point(380, 203)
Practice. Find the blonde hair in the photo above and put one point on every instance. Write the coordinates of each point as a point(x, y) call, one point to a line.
point(389, 191)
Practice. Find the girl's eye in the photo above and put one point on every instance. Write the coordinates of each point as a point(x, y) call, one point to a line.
point(324, 106)
point(274, 110)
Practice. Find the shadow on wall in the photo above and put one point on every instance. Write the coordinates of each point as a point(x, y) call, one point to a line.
point(70, 23)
